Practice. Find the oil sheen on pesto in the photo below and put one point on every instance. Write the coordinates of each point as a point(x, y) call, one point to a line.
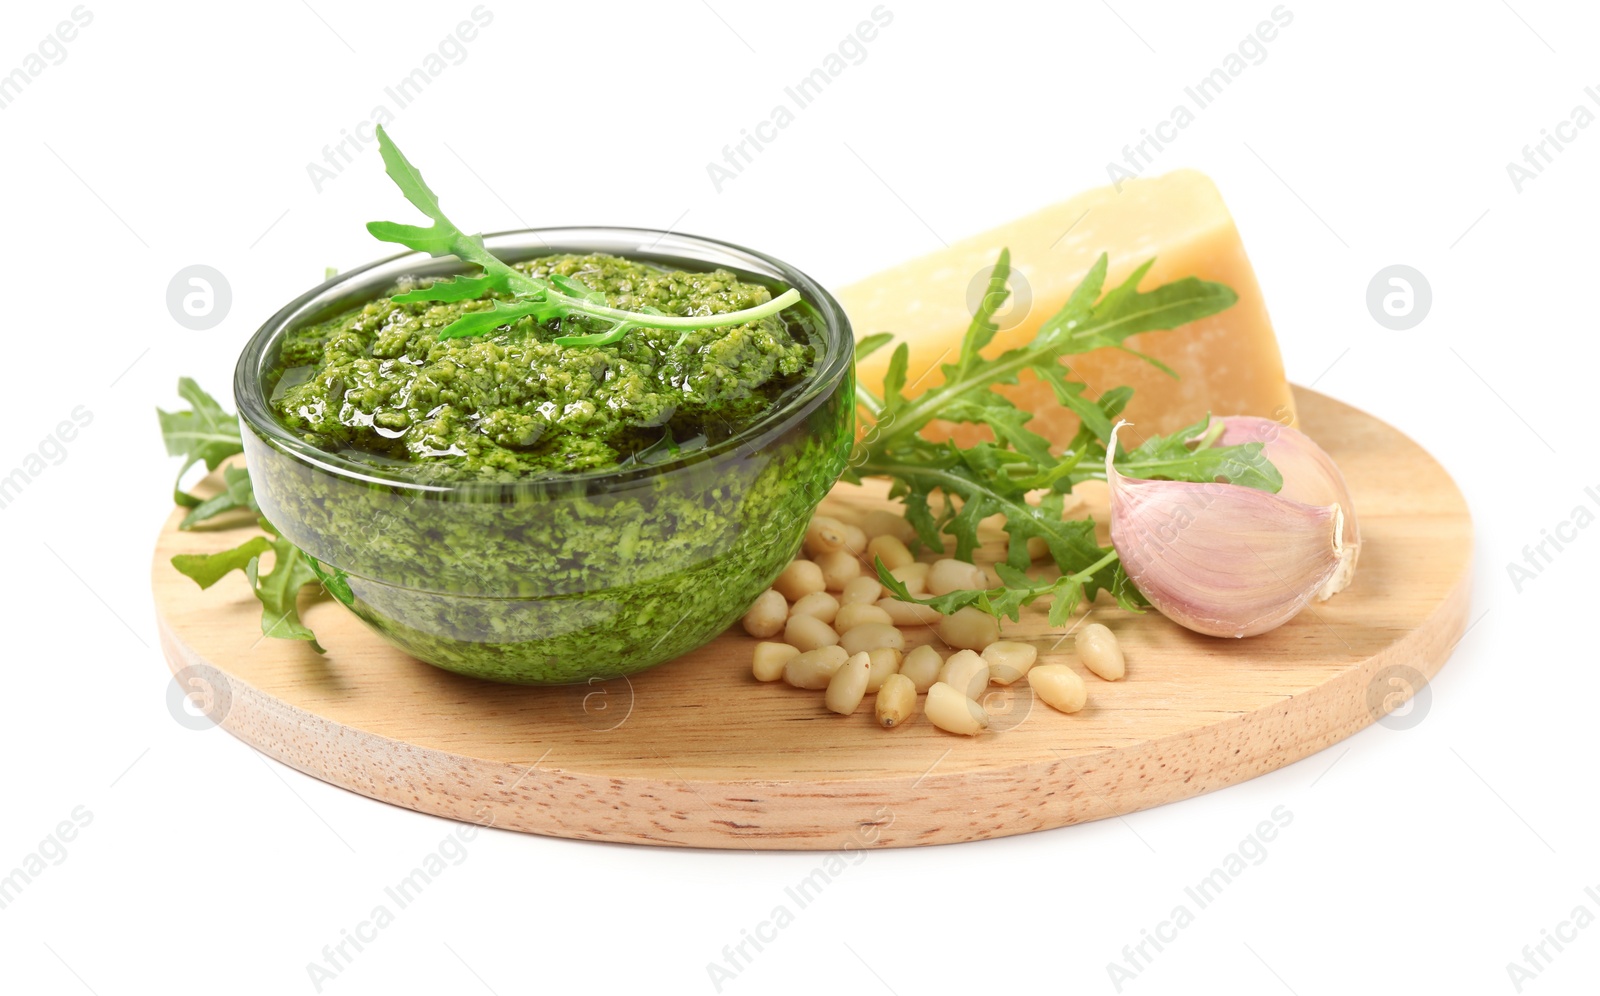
point(377, 384)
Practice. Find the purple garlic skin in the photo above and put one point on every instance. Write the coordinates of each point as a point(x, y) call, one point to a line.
point(1309, 476)
point(1230, 561)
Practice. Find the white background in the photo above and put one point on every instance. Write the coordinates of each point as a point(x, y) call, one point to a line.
point(1418, 860)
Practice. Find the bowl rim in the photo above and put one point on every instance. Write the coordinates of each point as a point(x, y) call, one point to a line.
point(368, 281)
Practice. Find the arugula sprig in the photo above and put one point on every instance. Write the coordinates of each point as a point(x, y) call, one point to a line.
point(237, 494)
point(542, 299)
point(278, 590)
point(947, 490)
point(1017, 591)
point(202, 434)
point(206, 434)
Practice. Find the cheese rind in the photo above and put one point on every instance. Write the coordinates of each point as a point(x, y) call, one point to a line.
point(1228, 364)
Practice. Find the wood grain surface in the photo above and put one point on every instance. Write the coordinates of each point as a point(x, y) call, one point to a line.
point(696, 752)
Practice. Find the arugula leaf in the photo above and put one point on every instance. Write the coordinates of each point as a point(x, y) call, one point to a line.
point(278, 590)
point(337, 582)
point(1018, 591)
point(237, 493)
point(868, 345)
point(894, 379)
point(1123, 590)
point(1172, 457)
point(205, 434)
point(450, 289)
point(983, 328)
point(1006, 420)
point(1082, 325)
point(503, 313)
point(865, 347)
point(542, 299)
point(442, 238)
point(202, 435)
point(1098, 418)
point(206, 569)
point(574, 288)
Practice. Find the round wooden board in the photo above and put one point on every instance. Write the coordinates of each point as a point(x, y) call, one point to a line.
point(696, 752)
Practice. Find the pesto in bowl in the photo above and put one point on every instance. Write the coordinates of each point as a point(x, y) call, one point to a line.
point(513, 509)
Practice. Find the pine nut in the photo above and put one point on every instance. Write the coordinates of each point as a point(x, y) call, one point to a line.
point(851, 616)
point(946, 576)
point(862, 591)
point(879, 522)
point(953, 712)
point(809, 633)
point(909, 613)
point(922, 665)
point(825, 534)
point(896, 701)
point(1059, 686)
point(885, 664)
point(855, 539)
point(844, 513)
point(848, 685)
point(969, 629)
point(870, 636)
point(768, 660)
point(1038, 549)
point(1100, 652)
point(766, 615)
point(967, 673)
point(913, 576)
point(988, 577)
point(799, 579)
point(839, 568)
point(890, 550)
point(819, 605)
point(1009, 660)
point(814, 668)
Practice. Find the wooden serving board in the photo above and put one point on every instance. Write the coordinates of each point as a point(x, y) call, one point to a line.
point(696, 752)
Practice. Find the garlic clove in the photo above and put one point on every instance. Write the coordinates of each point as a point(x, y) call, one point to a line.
point(1309, 476)
point(1222, 559)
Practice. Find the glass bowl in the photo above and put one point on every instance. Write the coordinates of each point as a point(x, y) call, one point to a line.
point(558, 579)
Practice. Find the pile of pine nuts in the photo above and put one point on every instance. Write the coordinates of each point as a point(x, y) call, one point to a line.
point(840, 633)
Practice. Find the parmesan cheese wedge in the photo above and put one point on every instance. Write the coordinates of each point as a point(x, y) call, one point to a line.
point(1228, 364)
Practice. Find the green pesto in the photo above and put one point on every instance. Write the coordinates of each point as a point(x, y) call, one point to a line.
point(527, 574)
point(376, 383)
